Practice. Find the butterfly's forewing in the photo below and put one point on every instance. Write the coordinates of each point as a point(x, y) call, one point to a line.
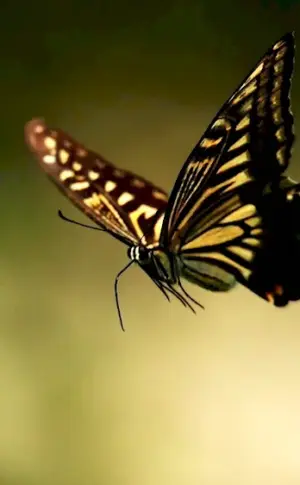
point(126, 205)
point(215, 220)
point(249, 139)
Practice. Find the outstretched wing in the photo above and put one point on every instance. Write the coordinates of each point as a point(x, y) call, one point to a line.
point(250, 139)
point(126, 205)
point(216, 219)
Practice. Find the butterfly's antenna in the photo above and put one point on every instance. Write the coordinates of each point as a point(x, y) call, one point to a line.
point(117, 295)
point(64, 218)
point(189, 296)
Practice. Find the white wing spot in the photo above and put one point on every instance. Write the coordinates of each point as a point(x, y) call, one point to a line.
point(77, 166)
point(63, 156)
point(110, 186)
point(50, 143)
point(49, 159)
point(124, 198)
point(80, 185)
point(92, 175)
point(66, 174)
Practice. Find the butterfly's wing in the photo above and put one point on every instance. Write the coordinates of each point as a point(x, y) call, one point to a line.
point(276, 267)
point(119, 201)
point(213, 218)
point(251, 133)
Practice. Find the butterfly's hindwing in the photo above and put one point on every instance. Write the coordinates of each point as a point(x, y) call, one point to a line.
point(229, 241)
point(276, 268)
point(126, 205)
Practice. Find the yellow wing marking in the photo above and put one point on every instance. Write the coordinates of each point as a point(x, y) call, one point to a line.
point(145, 210)
point(49, 159)
point(124, 198)
point(63, 156)
point(110, 186)
point(245, 272)
point(92, 175)
point(50, 143)
point(215, 236)
point(66, 174)
point(77, 186)
point(208, 142)
point(92, 202)
point(76, 166)
point(234, 162)
point(242, 141)
point(243, 253)
point(243, 212)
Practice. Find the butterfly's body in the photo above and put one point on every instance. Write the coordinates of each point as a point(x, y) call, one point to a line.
point(231, 214)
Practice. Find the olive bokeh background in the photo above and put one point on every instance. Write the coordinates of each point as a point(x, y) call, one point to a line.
point(178, 399)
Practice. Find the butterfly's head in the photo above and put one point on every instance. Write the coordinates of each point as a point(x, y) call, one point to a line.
point(139, 254)
point(155, 262)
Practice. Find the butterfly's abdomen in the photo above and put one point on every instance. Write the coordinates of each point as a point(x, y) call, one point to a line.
point(206, 274)
point(166, 265)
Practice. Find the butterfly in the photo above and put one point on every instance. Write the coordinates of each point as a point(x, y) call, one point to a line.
point(232, 215)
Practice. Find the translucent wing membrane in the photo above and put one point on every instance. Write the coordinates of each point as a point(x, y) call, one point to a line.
point(123, 203)
point(249, 140)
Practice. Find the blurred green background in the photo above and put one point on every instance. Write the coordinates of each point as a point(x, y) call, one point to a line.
point(177, 399)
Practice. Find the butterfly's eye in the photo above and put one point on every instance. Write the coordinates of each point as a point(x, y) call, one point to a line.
point(144, 255)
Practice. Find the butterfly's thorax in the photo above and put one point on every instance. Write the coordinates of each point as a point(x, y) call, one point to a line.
point(167, 264)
